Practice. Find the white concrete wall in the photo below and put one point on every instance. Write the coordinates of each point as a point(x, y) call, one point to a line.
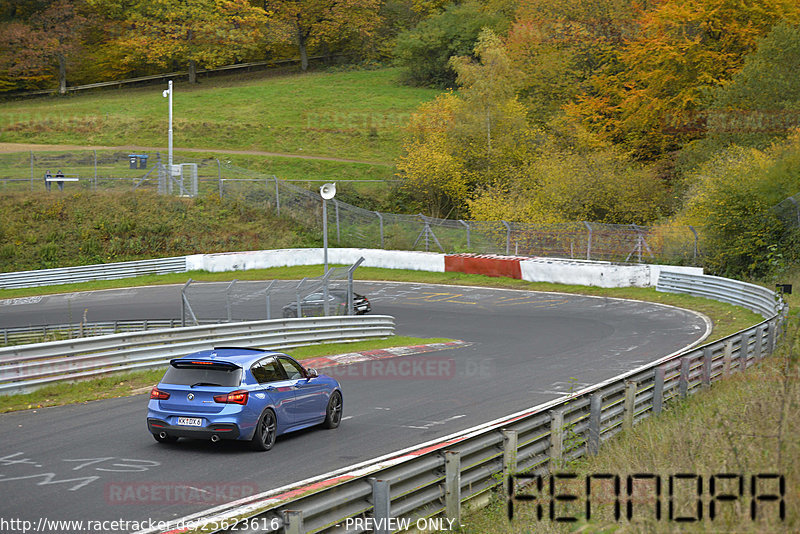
point(596, 273)
point(560, 271)
point(264, 259)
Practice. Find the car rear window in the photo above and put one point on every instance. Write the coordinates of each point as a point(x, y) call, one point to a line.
point(188, 376)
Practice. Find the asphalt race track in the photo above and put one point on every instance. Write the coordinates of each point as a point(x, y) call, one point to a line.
point(97, 461)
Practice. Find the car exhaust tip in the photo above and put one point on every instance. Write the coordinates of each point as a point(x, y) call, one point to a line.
point(214, 438)
point(163, 435)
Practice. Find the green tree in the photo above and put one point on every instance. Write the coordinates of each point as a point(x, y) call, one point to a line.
point(733, 197)
point(458, 145)
point(762, 101)
point(424, 52)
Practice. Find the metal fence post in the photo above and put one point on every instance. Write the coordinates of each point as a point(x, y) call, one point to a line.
point(683, 383)
point(338, 230)
point(380, 221)
point(228, 299)
point(508, 237)
point(452, 486)
point(293, 522)
point(588, 241)
point(630, 403)
point(695, 241)
point(269, 299)
point(277, 196)
point(219, 176)
point(556, 437)
point(707, 362)
point(381, 505)
point(658, 390)
point(31, 170)
point(595, 418)
point(94, 184)
point(466, 225)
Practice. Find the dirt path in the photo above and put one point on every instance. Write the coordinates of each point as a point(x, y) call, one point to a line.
point(6, 148)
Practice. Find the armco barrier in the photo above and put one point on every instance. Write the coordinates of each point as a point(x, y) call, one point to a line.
point(26, 367)
point(750, 296)
point(437, 477)
point(87, 273)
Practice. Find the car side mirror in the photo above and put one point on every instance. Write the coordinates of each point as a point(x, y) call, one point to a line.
point(311, 373)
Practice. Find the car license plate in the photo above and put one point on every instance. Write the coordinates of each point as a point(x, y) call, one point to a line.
point(190, 421)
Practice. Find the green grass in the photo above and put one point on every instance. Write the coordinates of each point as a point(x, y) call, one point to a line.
point(746, 424)
point(355, 114)
point(125, 384)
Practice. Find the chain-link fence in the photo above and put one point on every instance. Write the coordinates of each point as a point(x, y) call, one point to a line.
point(349, 225)
point(788, 211)
point(326, 295)
point(108, 170)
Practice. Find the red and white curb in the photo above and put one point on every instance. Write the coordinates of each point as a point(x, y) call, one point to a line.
point(380, 354)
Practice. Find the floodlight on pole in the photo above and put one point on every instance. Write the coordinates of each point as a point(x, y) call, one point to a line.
point(167, 93)
point(327, 192)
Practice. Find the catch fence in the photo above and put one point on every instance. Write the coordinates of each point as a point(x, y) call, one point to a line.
point(349, 225)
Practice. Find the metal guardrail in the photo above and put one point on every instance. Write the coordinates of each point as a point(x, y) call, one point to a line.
point(24, 368)
point(53, 332)
point(88, 273)
point(750, 296)
point(438, 477)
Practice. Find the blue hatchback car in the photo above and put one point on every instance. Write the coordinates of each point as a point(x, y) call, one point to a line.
point(240, 393)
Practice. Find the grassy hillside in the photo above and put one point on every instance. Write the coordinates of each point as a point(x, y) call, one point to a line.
point(84, 228)
point(355, 115)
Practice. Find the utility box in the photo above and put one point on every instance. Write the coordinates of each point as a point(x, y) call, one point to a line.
point(138, 161)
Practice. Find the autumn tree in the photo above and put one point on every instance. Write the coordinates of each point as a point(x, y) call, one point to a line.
point(312, 22)
point(205, 33)
point(33, 49)
point(649, 97)
point(461, 144)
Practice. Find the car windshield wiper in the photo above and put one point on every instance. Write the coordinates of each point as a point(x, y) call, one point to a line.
point(204, 384)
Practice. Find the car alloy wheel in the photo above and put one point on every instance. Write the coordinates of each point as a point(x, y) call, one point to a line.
point(266, 432)
point(333, 415)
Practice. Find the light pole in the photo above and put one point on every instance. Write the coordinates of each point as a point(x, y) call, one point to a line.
point(327, 192)
point(167, 93)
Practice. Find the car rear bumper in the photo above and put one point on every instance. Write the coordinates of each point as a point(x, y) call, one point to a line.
point(223, 430)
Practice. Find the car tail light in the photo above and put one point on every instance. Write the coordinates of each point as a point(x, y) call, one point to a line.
point(157, 394)
point(235, 397)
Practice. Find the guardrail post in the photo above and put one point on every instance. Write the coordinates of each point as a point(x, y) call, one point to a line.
point(381, 504)
point(771, 338)
point(744, 349)
point(759, 347)
point(707, 361)
point(727, 357)
point(452, 486)
point(556, 437)
point(510, 441)
point(658, 390)
point(683, 382)
point(595, 418)
point(630, 403)
point(293, 522)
